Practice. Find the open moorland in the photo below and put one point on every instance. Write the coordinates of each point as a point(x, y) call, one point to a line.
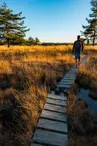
point(26, 75)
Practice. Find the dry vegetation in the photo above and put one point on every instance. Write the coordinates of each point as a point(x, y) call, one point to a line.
point(26, 74)
point(87, 75)
point(82, 123)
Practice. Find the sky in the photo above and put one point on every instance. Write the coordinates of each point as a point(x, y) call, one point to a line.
point(52, 20)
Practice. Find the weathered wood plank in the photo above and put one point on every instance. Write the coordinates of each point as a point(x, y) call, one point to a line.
point(52, 125)
point(65, 83)
point(69, 78)
point(50, 138)
point(73, 69)
point(71, 74)
point(55, 108)
point(57, 97)
point(54, 116)
point(65, 78)
point(71, 81)
point(34, 144)
point(55, 101)
point(64, 86)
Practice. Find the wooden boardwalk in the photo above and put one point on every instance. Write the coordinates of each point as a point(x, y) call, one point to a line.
point(52, 128)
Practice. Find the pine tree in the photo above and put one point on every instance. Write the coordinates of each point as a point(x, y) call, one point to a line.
point(37, 41)
point(90, 31)
point(31, 41)
point(11, 25)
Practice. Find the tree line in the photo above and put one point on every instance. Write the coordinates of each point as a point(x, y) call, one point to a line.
point(90, 30)
point(22, 41)
point(12, 29)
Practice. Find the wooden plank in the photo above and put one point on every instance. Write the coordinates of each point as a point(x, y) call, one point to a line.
point(69, 74)
point(71, 81)
point(55, 108)
point(55, 101)
point(54, 116)
point(74, 68)
point(52, 125)
point(64, 86)
point(34, 144)
point(65, 83)
point(69, 78)
point(57, 97)
point(50, 138)
point(72, 72)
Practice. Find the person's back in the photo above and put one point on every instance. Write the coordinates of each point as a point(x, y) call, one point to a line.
point(77, 48)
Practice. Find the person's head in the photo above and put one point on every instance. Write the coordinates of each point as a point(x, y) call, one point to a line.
point(78, 37)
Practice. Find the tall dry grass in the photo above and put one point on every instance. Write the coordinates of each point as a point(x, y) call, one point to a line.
point(26, 74)
point(81, 121)
point(87, 75)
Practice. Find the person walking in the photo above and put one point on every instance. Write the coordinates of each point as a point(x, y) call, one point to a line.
point(78, 46)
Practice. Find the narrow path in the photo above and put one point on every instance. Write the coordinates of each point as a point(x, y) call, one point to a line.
point(52, 128)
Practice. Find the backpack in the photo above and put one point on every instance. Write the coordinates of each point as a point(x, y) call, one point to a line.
point(78, 46)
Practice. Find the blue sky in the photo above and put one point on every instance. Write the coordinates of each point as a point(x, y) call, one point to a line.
point(52, 20)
